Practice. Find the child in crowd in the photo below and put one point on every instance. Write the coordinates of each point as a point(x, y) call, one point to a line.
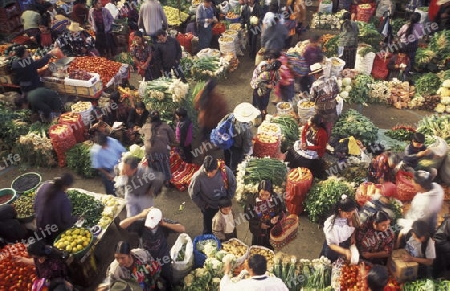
point(339, 230)
point(415, 151)
point(263, 211)
point(420, 248)
point(183, 134)
point(382, 168)
point(223, 225)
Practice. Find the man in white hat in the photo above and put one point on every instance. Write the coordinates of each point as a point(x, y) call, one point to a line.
point(324, 92)
point(244, 114)
point(154, 230)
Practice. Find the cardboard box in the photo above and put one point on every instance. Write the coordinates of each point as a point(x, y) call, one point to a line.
point(401, 270)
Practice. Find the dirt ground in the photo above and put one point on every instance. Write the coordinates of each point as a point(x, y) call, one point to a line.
point(236, 88)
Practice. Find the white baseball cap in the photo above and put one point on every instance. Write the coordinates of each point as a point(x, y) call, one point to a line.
point(153, 218)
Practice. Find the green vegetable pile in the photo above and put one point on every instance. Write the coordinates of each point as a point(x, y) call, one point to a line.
point(368, 34)
point(289, 129)
point(205, 68)
point(427, 284)
point(360, 91)
point(79, 160)
point(323, 196)
point(400, 133)
point(435, 125)
point(13, 124)
point(352, 123)
point(396, 24)
point(86, 206)
point(355, 173)
point(367, 49)
point(265, 169)
point(428, 84)
point(124, 58)
point(330, 48)
point(316, 274)
point(24, 206)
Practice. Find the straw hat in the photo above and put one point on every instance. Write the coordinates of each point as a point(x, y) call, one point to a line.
point(316, 68)
point(60, 17)
point(245, 112)
point(442, 2)
point(74, 27)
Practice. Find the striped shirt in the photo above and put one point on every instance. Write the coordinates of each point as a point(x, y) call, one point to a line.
point(152, 17)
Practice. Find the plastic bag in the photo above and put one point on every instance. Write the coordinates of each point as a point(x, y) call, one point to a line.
point(225, 7)
point(355, 255)
point(181, 268)
point(325, 8)
point(339, 105)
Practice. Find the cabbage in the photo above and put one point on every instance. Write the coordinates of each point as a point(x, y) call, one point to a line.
point(215, 267)
point(447, 109)
point(348, 88)
point(445, 100)
point(446, 83)
point(137, 151)
point(221, 254)
point(440, 108)
point(346, 81)
point(344, 94)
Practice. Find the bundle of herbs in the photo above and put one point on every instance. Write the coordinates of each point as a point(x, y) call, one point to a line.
point(79, 160)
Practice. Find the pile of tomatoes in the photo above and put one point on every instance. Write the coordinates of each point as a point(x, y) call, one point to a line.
point(13, 275)
point(354, 278)
point(105, 68)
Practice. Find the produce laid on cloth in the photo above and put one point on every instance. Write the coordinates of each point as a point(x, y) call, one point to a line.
point(360, 90)
point(401, 132)
point(321, 20)
point(15, 276)
point(209, 66)
point(74, 240)
point(86, 206)
point(352, 123)
point(380, 92)
point(322, 196)
point(435, 125)
point(400, 93)
point(105, 68)
point(110, 210)
point(35, 148)
point(252, 170)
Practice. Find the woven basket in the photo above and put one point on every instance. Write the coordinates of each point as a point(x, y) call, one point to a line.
point(284, 232)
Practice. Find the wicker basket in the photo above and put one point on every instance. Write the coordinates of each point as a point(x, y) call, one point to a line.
point(284, 232)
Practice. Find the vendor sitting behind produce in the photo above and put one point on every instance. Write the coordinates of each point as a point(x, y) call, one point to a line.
point(76, 42)
point(399, 66)
point(308, 152)
point(420, 248)
point(26, 68)
point(415, 151)
point(53, 207)
point(42, 101)
point(50, 265)
point(136, 119)
point(375, 239)
point(383, 168)
point(154, 230)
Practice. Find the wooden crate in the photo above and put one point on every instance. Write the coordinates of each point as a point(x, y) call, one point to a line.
point(54, 84)
point(89, 92)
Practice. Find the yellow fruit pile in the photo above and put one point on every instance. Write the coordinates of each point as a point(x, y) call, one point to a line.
point(174, 16)
point(74, 240)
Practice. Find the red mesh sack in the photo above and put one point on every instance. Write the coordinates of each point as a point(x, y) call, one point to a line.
point(364, 13)
point(380, 69)
point(263, 149)
point(62, 138)
point(75, 121)
point(389, 189)
point(297, 186)
point(406, 189)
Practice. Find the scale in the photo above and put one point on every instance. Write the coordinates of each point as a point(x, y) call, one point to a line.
point(59, 67)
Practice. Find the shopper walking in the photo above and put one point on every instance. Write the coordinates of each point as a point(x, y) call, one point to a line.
point(101, 21)
point(348, 40)
point(209, 184)
point(152, 17)
point(205, 19)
